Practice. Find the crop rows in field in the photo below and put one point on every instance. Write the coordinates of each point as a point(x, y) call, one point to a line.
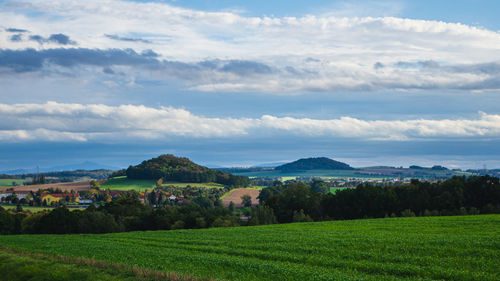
point(433, 248)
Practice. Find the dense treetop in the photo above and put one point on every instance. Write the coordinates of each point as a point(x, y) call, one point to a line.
point(171, 168)
point(319, 163)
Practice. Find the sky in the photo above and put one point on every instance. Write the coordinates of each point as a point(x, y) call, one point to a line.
point(246, 83)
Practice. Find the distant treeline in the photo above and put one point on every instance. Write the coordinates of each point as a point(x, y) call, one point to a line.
point(455, 196)
point(126, 214)
point(281, 203)
point(3, 176)
point(171, 168)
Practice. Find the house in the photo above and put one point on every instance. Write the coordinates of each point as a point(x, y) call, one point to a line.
point(19, 194)
point(50, 199)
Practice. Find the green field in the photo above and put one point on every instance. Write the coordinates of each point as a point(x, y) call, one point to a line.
point(122, 183)
point(194, 184)
point(423, 248)
point(8, 182)
point(32, 209)
point(336, 189)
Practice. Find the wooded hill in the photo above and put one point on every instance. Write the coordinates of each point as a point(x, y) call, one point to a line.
point(171, 168)
point(319, 163)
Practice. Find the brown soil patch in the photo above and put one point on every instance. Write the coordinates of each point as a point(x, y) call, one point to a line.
point(235, 197)
point(64, 186)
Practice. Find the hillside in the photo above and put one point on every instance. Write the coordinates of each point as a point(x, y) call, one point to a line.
point(171, 168)
point(422, 248)
point(319, 163)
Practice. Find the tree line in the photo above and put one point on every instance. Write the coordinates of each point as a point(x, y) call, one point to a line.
point(280, 203)
point(455, 196)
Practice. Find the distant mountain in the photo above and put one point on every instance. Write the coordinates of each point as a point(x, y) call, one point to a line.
point(171, 168)
point(87, 165)
point(319, 163)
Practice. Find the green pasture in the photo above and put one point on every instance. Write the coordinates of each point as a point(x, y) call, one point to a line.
point(8, 182)
point(422, 248)
point(123, 183)
point(31, 208)
point(194, 184)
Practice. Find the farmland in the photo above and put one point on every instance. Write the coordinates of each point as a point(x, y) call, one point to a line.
point(64, 186)
point(8, 182)
point(235, 196)
point(424, 248)
point(122, 183)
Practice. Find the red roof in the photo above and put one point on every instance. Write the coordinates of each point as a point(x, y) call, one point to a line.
point(58, 195)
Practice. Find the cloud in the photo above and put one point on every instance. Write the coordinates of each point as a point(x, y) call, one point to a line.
point(78, 122)
point(16, 30)
point(59, 39)
point(16, 38)
point(225, 51)
point(127, 39)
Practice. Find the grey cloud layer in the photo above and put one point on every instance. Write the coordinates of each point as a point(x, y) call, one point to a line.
point(273, 55)
point(244, 75)
point(77, 122)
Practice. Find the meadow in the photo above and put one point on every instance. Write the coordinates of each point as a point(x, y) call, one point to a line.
point(8, 182)
point(122, 183)
point(423, 248)
point(31, 208)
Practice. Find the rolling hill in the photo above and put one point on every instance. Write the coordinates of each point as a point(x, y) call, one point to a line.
point(171, 168)
point(318, 163)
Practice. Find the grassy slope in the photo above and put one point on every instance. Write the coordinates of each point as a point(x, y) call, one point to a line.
point(15, 266)
point(459, 248)
point(122, 183)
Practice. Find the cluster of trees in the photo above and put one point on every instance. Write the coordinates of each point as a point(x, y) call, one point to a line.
point(171, 168)
point(299, 201)
point(126, 214)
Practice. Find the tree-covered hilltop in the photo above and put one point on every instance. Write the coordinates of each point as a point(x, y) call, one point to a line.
point(171, 168)
point(319, 163)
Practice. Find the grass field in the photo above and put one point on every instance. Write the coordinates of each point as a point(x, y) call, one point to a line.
point(336, 189)
point(32, 209)
point(194, 184)
point(424, 248)
point(122, 183)
point(8, 182)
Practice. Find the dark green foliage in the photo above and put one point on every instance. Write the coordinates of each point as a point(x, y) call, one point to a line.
point(320, 163)
point(171, 168)
point(262, 215)
point(246, 200)
point(320, 186)
point(296, 196)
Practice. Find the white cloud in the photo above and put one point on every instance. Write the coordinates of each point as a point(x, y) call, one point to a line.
point(309, 53)
point(77, 122)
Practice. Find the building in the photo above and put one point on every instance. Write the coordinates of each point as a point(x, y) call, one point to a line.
point(50, 199)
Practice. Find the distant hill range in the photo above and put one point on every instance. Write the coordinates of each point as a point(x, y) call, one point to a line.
point(318, 163)
point(171, 168)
